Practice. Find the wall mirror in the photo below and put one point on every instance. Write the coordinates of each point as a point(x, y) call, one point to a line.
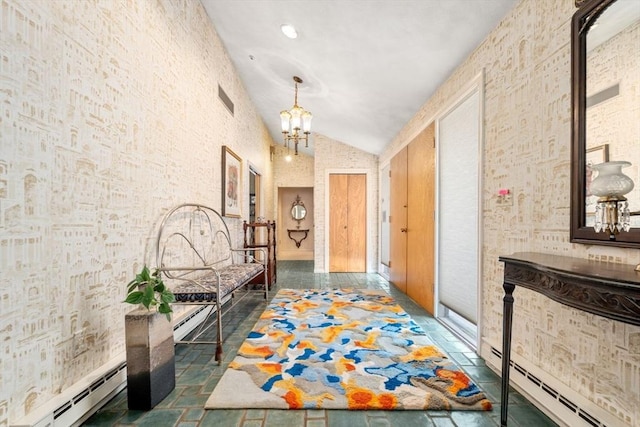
point(298, 211)
point(605, 76)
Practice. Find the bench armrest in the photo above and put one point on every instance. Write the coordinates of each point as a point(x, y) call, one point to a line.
point(252, 258)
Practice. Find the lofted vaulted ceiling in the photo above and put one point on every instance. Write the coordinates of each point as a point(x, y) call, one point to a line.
point(367, 65)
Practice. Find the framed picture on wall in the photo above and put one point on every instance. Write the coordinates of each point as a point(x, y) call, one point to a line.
point(595, 156)
point(231, 183)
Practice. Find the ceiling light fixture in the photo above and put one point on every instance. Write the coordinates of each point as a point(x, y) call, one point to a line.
point(289, 31)
point(295, 120)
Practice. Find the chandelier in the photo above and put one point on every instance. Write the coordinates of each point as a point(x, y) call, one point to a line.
point(294, 121)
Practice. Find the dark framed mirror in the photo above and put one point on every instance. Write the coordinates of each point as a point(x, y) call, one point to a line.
point(605, 77)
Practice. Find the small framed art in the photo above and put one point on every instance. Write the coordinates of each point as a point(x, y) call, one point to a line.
point(231, 183)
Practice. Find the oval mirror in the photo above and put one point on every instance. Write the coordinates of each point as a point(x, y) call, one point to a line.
point(298, 212)
point(605, 75)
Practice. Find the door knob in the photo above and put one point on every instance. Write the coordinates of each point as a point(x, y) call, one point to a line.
point(404, 230)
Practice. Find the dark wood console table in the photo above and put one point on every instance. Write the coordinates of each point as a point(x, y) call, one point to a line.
point(606, 289)
point(295, 230)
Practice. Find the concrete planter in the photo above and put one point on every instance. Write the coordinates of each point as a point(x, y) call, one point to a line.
point(151, 370)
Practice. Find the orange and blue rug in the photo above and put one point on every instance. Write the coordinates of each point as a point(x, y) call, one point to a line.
point(342, 349)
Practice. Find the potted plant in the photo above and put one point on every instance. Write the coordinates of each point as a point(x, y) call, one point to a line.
point(150, 291)
point(149, 341)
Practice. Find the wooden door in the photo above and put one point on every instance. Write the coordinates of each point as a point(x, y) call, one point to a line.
point(421, 219)
point(398, 221)
point(347, 223)
point(357, 223)
point(338, 225)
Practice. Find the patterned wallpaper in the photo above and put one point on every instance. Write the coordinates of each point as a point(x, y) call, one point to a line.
point(296, 173)
point(109, 116)
point(108, 110)
point(527, 65)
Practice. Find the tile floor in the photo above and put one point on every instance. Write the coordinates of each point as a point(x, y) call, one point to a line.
point(197, 374)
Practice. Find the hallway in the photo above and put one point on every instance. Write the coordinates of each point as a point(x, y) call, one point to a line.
point(197, 374)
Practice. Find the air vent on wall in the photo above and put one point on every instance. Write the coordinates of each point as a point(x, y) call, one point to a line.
point(225, 99)
point(603, 95)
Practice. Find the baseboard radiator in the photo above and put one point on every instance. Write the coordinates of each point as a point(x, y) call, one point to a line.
point(551, 396)
point(77, 403)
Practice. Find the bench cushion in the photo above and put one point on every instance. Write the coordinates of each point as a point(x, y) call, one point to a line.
point(231, 278)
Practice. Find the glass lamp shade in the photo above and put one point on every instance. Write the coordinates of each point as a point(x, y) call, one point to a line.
point(611, 182)
point(306, 121)
point(285, 118)
point(296, 116)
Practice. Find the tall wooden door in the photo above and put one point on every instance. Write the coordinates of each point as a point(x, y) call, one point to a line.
point(398, 221)
point(421, 219)
point(347, 223)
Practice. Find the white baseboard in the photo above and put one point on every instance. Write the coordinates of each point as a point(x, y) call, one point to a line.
point(547, 393)
point(300, 255)
point(80, 401)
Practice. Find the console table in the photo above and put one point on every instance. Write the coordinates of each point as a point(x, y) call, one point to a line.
point(602, 288)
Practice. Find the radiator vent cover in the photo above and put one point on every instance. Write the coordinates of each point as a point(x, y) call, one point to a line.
point(551, 392)
point(76, 405)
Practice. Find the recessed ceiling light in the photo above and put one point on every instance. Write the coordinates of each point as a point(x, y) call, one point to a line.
point(289, 31)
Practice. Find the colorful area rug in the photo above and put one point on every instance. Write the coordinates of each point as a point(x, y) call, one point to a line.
point(342, 349)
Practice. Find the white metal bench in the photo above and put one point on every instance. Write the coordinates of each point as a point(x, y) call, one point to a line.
point(195, 253)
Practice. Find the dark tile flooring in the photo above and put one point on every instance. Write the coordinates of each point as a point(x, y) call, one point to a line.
point(197, 374)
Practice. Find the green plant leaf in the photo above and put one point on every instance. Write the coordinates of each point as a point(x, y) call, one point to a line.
point(145, 273)
point(134, 298)
point(133, 285)
point(148, 297)
point(164, 308)
point(149, 290)
point(167, 297)
point(159, 287)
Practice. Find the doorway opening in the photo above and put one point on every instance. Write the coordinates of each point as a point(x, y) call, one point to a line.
point(255, 209)
point(254, 194)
